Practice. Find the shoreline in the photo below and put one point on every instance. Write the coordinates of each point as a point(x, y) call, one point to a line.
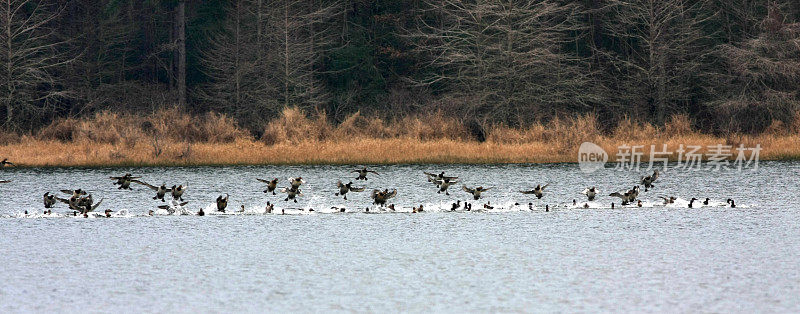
point(242, 152)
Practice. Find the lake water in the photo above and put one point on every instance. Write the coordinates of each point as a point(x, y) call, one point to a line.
point(511, 259)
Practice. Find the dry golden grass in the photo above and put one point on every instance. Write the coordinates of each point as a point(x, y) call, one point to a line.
point(169, 137)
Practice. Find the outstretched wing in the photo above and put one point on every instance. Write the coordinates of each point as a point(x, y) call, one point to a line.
point(293, 179)
point(339, 184)
point(391, 194)
point(63, 200)
point(5, 181)
point(116, 178)
point(655, 175)
point(96, 205)
point(616, 194)
point(486, 189)
point(163, 206)
point(544, 186)
point(67, 191)
point(375, 172)
point(361, 189)
point(374, 193)
point(155, 188)
point(183, 204)
point(527, 192)
point(468, 190)
point(262, 180)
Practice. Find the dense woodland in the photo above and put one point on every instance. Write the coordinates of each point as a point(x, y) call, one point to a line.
point(730, 65)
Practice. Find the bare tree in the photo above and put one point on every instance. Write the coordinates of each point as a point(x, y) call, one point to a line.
point(267, 57)
point(298, 33)
point(180, 23)
point(506, 56)
point(28, 57)
point(762, 78)
point(237, 63)
point(659, 53)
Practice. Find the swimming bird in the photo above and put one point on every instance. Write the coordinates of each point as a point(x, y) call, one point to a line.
point(269, 208)
point(445, 183)
point(669, 200)
point(124, 181)
point(177, 192)
point(222, 203)
point(49, 200)
point(271, 185)
point(380, 197)
point(241, 210)
point(199, 213)
point(628, 196)
point(706, 201)
point(731, 202)
point(639, 203)
point(538, 191)
point(455, 206)
point(476, 192)
point(344, 188)
point(291, 193)
point(5, 163)
point(691, 202)
point(362, 173)
point(160, 190)
point(417, 209)
point(296, 182)
point(648, 180)
point(590, 193)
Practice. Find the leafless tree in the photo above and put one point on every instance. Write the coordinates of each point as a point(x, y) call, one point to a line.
point(506, 55)
point(660, 49)
point(298, 33)
point(268, 57)
point(28, 57)
point(763, 74)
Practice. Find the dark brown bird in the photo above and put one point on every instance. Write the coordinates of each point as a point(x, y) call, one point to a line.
point(271, 185)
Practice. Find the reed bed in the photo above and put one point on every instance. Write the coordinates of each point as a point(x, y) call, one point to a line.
point(172, 138)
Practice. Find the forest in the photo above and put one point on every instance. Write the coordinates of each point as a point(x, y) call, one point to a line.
point(723, 66)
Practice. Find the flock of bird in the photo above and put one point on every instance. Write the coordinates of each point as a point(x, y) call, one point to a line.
point(81, 202)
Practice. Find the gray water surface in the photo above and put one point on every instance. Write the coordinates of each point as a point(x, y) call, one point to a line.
point(510, 259)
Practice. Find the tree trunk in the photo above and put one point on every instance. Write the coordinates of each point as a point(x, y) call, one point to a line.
point(286, 53)
point(181, 21)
